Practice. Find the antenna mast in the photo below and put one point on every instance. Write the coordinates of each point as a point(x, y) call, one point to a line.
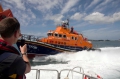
point(68, 22)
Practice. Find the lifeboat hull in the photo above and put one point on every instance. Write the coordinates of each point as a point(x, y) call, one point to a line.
point(43, 49)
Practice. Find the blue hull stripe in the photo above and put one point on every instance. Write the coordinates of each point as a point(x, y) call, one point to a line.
point(42, 48)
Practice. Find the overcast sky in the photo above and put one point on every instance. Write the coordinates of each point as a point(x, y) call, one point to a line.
point(95, 19)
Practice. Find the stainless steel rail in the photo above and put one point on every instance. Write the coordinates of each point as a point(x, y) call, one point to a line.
point(80, 72)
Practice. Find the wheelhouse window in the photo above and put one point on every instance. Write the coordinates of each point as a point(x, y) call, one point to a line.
point(50, 34)
point(64, 43)
point(64, 36)
point(75, 38)
point(72, 38)
point(56, 35)
point(60, 35)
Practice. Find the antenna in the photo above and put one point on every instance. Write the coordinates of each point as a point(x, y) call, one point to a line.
point(68, 22)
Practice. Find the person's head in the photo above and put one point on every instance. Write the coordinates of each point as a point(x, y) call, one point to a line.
point(10, 28)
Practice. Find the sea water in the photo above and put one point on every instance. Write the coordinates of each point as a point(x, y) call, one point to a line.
point(105, 63)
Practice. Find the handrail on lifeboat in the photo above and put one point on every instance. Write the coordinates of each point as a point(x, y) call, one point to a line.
point(35, 38)
point(30, 37)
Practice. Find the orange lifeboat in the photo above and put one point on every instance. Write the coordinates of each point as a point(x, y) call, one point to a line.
point(64, 36)
point(62, 39)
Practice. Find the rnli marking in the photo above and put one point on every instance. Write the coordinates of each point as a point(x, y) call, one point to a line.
point(32, 46)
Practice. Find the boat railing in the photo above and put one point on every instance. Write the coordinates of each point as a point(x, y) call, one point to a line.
point(71, 74)
point(35, 38)
point(30, 37)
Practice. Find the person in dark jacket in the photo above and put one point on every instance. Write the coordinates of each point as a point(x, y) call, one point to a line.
point(12, 64)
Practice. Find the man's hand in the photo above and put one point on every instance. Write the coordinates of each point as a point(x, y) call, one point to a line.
point(23, 49)
point(25, 58)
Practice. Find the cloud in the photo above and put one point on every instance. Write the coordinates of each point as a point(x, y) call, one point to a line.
point(31, 14)
point(18, 3)
point(103, 33)
point(73, 9)
point(116, 16)
point(24, 14)
point(76, 16)
point(102, 4)
point(94, 2)
point(25, 17)
point(45, 5)
point(69, 5)
point(56, 18)
point(97, 17)
point(81, 24)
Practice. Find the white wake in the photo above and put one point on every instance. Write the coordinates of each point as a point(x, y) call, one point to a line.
point(105, 63)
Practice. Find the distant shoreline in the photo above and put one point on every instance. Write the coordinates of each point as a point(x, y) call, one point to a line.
point(104, 40)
